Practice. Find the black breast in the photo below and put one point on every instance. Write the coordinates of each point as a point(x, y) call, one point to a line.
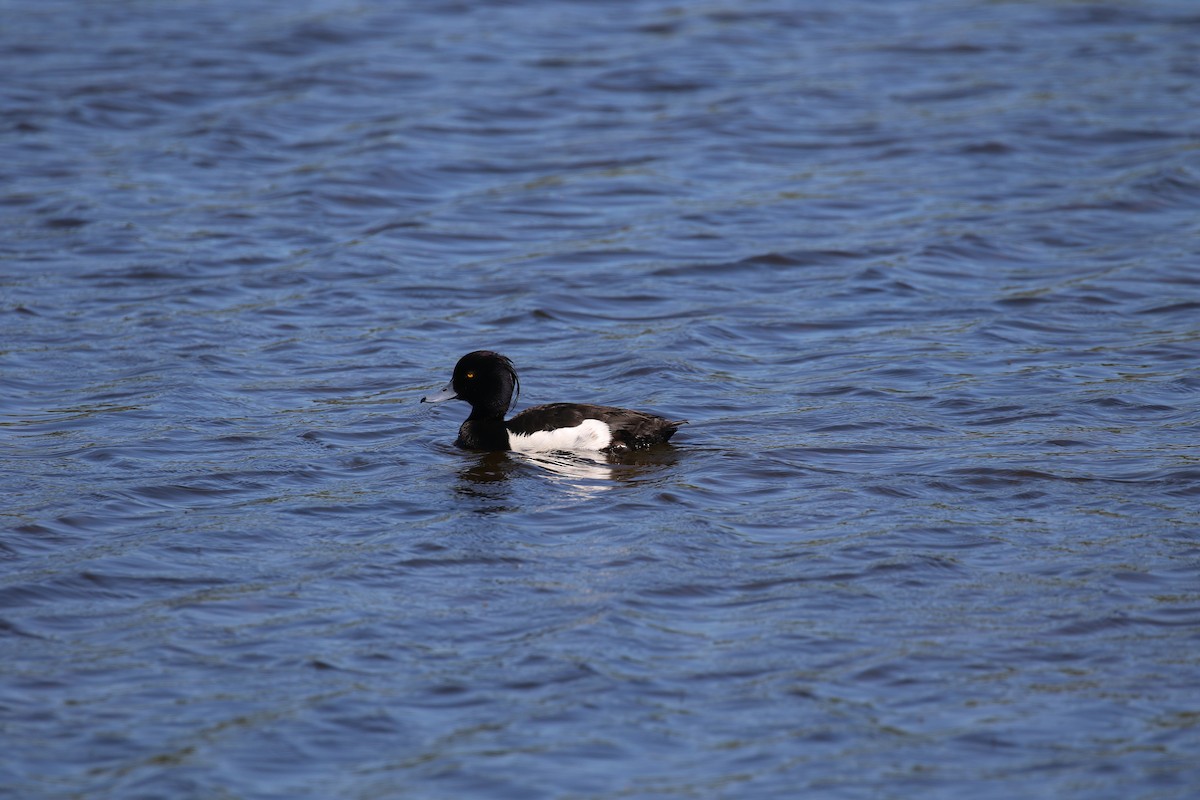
point(483, 434)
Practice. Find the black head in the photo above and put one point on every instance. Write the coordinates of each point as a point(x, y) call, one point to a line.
point(484, 379)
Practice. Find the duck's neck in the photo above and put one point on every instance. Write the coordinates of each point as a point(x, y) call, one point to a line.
point(483, 433)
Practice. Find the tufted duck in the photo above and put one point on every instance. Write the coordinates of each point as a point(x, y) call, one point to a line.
point(488, 382)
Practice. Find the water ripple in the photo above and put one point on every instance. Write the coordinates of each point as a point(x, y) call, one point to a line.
point(920, 275)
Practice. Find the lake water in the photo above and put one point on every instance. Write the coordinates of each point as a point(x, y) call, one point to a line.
point(924, 276)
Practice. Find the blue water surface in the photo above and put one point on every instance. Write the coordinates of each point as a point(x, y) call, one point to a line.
point(922, 274)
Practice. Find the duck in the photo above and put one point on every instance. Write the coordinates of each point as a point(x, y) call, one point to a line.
point(488, 382)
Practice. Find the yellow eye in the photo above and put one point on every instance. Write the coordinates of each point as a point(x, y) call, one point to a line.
point(470, 374)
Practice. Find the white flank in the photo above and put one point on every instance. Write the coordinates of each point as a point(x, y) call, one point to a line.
point(591, 434)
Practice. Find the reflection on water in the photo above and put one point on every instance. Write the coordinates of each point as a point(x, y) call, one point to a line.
point(580, 475)
point(484, 469)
